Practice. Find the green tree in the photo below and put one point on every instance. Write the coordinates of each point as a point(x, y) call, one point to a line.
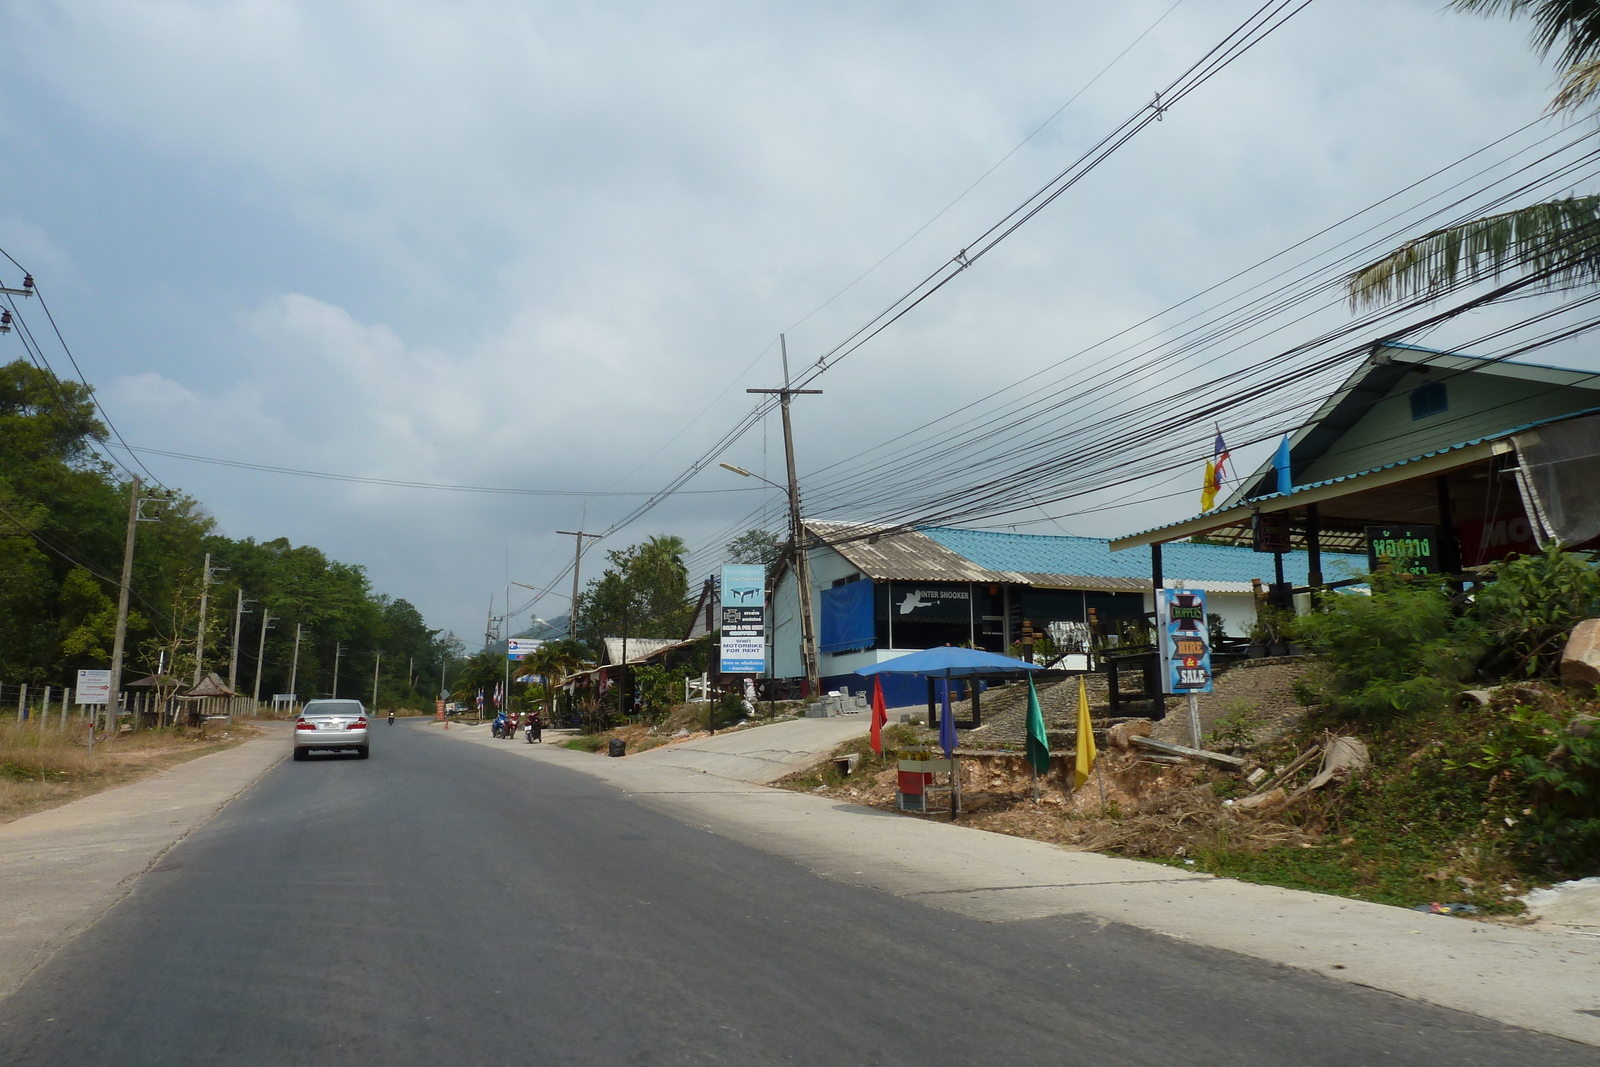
point(644, 592)
point(1558, 239)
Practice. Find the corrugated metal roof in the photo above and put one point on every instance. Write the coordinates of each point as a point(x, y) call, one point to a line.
point(639, 648)
point(884, 552)
point(947, 554)
point(1047, 554)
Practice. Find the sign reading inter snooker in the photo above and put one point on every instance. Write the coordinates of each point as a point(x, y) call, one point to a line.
point(744, 619)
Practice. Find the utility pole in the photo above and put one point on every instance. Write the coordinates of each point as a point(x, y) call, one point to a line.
point(338, 650)
point(119, 641)
point(294, 665)
point(577, 558)
point(200, 632)
point(239, 612)
point(261, 651)
point(797, 538)
point(377, 658)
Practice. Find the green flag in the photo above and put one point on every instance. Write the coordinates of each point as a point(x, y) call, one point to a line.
point(1038, 745)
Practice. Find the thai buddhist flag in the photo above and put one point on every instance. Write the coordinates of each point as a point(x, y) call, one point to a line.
point(1086, 752)
point(880, 714)
point(1216, 470)
point(1038, 740)
point(1281, 462)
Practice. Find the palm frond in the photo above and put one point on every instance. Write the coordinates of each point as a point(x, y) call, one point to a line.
point(1571, 28)
point(1560, 238)
point(1579, 85)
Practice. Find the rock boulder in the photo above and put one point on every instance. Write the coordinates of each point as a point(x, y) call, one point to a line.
point(1580, 663)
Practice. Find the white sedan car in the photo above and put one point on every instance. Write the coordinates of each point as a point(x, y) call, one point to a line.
point(331, 725)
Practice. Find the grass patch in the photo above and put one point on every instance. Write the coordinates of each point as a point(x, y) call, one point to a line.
point(587, 742)
point(1432, 820)
point(899, 739)
point(44, 766)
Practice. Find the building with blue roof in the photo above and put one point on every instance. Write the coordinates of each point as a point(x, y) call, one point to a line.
point(879, 592)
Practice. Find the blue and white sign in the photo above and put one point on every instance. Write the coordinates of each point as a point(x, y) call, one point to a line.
point(519, 647)
point(744, 619)
point(1185, 641)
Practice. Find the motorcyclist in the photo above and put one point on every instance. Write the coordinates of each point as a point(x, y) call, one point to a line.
point(535, 728)
point(391, 716)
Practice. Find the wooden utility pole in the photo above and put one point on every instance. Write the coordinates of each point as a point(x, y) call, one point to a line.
point(261, 652)
point(797, 534)
point(119, 641)
point(377, 658)
point(577, 559)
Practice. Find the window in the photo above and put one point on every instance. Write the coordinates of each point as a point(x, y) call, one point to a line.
point(1429, 399)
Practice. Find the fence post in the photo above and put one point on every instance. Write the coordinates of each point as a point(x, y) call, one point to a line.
point(22, 703)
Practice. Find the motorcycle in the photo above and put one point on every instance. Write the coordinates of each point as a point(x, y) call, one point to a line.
point(533, 731)
point(498, 729)
point(391, 718)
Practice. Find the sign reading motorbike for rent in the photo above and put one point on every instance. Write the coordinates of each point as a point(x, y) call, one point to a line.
point(744, 619)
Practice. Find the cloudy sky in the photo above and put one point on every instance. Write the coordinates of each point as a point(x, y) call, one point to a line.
point(548, 246)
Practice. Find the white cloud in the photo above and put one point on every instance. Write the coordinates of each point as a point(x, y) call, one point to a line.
point(522, 243)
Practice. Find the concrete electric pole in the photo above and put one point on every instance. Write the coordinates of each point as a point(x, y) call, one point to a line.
point(797, 531)
point(338, 650)
point(119, 639)
point(261, 653)
point(577, 558)
point(294, 664)
point(239, 612)
point(200, 631)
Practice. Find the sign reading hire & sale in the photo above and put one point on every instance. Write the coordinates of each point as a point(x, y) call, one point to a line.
point(744, 619)
point(1185, 641)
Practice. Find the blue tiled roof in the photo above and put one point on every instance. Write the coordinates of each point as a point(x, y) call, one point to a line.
point(1051, 554)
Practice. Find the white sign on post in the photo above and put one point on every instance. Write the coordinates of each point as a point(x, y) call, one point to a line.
point(94, 687)
point(744, 619)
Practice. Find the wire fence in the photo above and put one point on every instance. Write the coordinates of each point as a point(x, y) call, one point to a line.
point(57, 704)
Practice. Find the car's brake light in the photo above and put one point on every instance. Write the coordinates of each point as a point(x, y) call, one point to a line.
point(359, 724)
point(301, 724)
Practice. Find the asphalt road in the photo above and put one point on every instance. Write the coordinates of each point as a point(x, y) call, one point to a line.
point(442, 903)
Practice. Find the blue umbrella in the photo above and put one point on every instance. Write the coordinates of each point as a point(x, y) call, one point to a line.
point(947, 725)
point(947, 661)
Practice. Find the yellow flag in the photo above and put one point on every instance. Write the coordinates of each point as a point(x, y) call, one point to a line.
point(1086, 752)
point(1208, 495)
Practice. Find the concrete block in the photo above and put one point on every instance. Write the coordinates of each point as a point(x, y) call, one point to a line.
point(816, 711)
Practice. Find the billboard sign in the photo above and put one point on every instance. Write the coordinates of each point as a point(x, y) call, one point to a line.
point(519, 647)
point(94, 687)
point(1185, 641)
point(1403, 549)
point(744, 619)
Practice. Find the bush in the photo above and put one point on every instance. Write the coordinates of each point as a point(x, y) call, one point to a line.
point(1532, 605)
point(728, 709)
point(1399, 651)
point(660, 689)
point(594, 717)
point(1559, 769)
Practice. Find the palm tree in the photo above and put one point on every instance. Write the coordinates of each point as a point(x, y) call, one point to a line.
point(554, 663)
point(1558, 240)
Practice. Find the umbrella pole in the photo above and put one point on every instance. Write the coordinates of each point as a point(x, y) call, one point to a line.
point(1035, 782)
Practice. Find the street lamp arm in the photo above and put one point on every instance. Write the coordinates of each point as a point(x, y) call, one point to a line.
point(748, 474)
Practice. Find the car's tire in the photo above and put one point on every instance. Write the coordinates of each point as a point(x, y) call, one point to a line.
point(361, 753)
point(300, 753)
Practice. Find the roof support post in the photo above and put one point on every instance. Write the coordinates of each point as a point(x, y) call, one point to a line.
point(1156, 580)
point(1314, 552)
point(1449, 543)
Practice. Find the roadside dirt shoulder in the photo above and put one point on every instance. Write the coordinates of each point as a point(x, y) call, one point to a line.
point(62, 869)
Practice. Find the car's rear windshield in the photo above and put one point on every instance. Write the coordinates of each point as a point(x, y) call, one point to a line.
point(332, 707)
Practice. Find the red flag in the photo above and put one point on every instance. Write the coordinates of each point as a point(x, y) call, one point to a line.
point(880, 715)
